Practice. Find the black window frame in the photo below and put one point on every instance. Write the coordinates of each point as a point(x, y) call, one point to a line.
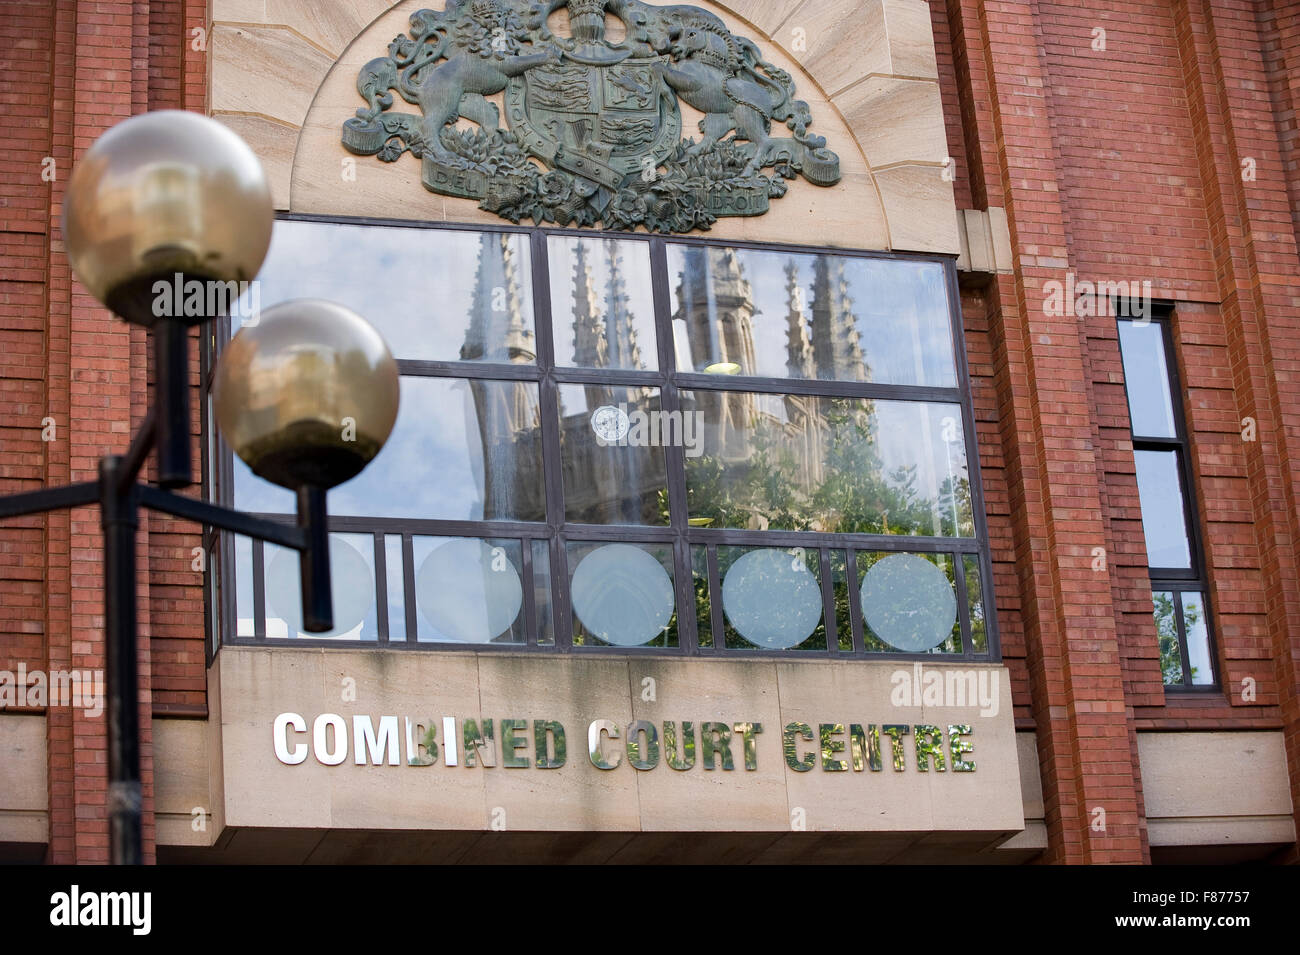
point(220, 602)
point(1192, 579)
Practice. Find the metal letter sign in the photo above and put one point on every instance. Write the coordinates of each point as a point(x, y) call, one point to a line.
point(594, 127)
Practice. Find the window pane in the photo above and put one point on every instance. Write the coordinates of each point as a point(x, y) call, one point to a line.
point(1163, 521)
point(1146, 376)
point(909, 603)
point(457, 295)
point(244, 622)
point(461, 450)
point(542, 593)
point(839, 465)
point(396, 587)
point(975, 602)
point(1171, 660)
point(612, 442)
point(1195, 622)
point(703, 608)
point(783, 315)
point(469, 590)
point(622, 595)
point(840, 597)
point(602, 303)
point(352, 582)
point(772, 597)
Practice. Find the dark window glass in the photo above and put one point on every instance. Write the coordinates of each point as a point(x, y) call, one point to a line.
point(833, 317)
point(839, 465)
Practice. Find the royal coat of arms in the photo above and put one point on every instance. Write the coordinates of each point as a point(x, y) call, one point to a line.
point(593, 130)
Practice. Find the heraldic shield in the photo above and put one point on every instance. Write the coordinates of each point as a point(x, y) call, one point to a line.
point(607, 123)
point(593, 127)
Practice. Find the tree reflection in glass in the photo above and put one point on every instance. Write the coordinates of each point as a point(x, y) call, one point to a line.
point(1171, 661)
point(772, 598)
point(836, 465)
point(975, 603)
point(895, 602)
point(1195, 625)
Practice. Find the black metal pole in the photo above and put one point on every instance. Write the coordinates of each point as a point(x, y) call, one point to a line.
point(120, 520)
point(172, 403)
point(317, 599)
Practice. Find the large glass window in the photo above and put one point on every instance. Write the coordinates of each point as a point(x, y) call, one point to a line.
point(621, 443)
point(1160, 453)
point(827, 316)
point(843, 465)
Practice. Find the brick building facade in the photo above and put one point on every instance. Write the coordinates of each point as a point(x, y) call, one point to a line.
point(1146, 140)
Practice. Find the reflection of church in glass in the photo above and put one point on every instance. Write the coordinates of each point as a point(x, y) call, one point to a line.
point(716, 310)
point(602, 484)
point(506, 415)
point(611, 483)
point(805, 447)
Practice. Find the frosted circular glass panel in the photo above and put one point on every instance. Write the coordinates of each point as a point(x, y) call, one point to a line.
point(772, 599)
point(469, 591)
point(352, 583)
point(908, 602)
point(622, 595)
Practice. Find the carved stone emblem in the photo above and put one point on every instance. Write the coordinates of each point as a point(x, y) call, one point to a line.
point(593, 130)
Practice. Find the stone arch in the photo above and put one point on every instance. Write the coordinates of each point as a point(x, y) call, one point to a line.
point(283, 77)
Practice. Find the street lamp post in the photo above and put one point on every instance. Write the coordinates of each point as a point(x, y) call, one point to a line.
point(306, 395)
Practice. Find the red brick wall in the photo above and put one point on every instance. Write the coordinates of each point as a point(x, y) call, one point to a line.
point(68, 71)
point(26, 53)
point(1126, 163)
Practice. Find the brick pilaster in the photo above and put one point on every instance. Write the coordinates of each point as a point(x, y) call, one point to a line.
point(1078, 701)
